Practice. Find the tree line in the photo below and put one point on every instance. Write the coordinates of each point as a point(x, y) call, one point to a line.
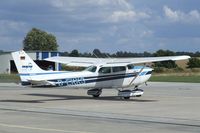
point(98, 54)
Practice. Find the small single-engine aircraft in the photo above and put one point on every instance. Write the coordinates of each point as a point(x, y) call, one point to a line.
point(101, 73)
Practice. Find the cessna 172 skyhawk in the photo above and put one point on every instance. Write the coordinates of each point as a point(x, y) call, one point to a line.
point(101, 73)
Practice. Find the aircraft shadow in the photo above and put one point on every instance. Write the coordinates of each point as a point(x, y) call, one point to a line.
point(72, 97)
point(31, 101)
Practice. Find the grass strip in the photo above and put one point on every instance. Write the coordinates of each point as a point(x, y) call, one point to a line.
point(7, 78)
point(174, 78)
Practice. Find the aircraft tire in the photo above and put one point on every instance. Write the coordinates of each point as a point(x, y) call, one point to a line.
point(126, 98)
point(95, 96)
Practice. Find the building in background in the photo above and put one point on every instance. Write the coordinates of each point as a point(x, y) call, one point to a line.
point(7, 64)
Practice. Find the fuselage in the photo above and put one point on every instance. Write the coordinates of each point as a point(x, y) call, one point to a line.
point(102, 74)
point(93, 77)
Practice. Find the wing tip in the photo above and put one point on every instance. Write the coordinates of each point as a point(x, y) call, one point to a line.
point(182, 57)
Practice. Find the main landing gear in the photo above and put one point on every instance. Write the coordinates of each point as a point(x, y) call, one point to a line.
point(95, 92)
point(126, 94)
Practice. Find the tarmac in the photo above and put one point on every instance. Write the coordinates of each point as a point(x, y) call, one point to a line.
point(164, 108)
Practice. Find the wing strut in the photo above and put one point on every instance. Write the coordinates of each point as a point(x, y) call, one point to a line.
point(137, 75)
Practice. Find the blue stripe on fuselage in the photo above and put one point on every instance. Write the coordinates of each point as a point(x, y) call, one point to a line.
point(85, 80)
point(82, 80)
point(145, 73)
point(46, 73)
point(25, 83)
point(149, 72)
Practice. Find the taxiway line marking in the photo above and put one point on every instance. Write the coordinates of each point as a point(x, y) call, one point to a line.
point(41, 129)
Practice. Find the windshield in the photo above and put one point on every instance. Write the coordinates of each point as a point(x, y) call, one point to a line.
point(91, 69)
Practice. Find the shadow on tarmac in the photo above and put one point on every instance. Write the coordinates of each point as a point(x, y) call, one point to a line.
point(72, 97)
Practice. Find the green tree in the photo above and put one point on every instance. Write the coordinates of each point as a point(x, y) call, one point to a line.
point(166, 64)
point(37, 39)
point(97, 53)
point(193, 63)
point(74, 53)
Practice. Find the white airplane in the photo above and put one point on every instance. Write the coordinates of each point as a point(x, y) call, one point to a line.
point(101, 73)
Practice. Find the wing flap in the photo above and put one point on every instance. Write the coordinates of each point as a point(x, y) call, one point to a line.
point(73, 61)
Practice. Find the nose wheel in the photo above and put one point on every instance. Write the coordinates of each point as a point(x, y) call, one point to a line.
point(126, 94)
point(95, 96)
point(126, 98)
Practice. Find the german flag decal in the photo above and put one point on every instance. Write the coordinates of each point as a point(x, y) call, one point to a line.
point(22, 57)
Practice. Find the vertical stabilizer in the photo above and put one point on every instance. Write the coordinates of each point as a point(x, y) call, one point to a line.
point(25, 65)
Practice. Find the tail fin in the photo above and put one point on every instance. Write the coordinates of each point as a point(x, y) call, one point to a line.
point(25, 66)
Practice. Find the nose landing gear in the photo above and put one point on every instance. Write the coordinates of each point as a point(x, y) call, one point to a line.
point(126, 94)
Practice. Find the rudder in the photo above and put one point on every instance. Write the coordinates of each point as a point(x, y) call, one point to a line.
point(25, 65)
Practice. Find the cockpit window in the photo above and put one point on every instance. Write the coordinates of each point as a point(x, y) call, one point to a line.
point(105, 70)
point(119, 69)
point(91, 69)
point(130, 66)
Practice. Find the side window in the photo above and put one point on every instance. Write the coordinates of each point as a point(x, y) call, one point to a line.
point(119, 69)
point(105, 70)
point(130, 66)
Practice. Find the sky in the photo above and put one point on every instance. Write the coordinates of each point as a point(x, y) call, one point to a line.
point(108, 25)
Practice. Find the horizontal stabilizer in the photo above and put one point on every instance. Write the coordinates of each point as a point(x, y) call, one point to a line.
point(40, 83)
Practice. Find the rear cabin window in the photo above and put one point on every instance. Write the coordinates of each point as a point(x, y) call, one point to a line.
point(105, 70)
point(119, 69)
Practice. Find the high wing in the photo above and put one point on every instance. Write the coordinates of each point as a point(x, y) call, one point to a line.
point(84, 61)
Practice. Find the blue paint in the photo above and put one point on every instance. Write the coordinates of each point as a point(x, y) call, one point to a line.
point(24, 83)
point(59, 67)
point(69, 81)
point(45, 55)
point(47, 73)
point(140, 67)
point(143, 73)
point(37, 55)
point(27, 66)
point(54, 54)
point(85, 80)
